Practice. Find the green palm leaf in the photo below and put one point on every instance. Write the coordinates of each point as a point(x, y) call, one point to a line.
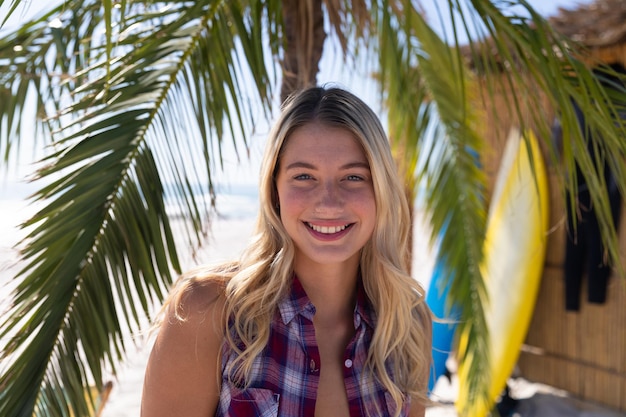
point(101, 250)
point(10, 9)
point(444, 143)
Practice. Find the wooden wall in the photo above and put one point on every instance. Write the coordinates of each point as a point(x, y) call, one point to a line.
point(581, 352)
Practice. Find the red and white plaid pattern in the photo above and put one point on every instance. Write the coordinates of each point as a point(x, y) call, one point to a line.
point(285, 376)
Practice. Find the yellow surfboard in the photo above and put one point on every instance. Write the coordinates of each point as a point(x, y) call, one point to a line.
point(515, 247)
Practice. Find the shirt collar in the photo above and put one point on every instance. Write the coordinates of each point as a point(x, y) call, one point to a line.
point(298, 302)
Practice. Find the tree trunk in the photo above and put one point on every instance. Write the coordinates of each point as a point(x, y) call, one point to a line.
point(304, 37)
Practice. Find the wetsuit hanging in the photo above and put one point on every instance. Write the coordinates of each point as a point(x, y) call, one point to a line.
point(584, 248)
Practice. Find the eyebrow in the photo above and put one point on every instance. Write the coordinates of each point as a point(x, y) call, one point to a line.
point(306, 165)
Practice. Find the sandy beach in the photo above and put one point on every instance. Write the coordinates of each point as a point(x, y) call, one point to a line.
point(227, 238)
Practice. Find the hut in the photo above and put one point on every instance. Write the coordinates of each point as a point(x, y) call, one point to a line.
point(582, 352)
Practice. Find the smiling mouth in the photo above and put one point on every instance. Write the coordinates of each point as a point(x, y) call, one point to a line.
point(328, 230)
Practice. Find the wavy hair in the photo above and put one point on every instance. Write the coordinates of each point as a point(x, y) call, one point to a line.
point(399, 355)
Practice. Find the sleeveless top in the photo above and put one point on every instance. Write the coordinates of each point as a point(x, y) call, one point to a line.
point(285, 376)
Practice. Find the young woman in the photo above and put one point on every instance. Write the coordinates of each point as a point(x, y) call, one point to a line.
point(320, 316)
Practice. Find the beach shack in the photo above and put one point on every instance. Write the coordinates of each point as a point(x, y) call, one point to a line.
point(582, 352)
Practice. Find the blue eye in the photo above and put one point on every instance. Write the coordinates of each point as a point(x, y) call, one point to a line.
point(303, 177)
point(354, 178)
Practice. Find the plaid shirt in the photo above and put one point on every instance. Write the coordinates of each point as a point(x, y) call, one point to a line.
point(285, 376)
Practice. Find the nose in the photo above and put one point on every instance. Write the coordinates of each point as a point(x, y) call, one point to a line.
point(330, 199)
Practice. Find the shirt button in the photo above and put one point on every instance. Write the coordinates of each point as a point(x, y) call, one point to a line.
point(348, 363)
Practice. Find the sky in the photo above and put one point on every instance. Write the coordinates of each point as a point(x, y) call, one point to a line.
point(331, 71)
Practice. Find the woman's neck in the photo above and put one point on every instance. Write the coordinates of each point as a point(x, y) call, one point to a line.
point(331, 289)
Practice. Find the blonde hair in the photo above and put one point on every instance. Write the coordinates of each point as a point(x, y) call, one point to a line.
point(255, 285)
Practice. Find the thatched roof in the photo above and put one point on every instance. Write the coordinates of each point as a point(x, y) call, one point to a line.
point(599, 24)
point(600, 27)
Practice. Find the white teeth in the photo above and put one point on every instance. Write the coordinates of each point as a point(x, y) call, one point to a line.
point(329, 230)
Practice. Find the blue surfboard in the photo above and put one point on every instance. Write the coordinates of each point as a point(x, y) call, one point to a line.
point(443, 332)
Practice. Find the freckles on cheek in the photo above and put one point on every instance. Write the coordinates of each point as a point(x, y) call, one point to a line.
point(292, 197)
point(288, 204)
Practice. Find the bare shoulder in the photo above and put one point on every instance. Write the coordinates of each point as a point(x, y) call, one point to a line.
point(182, 376)
point(197, 301)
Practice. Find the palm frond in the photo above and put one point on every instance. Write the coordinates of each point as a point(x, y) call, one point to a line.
point(11, 8)
point(407, 98)
point(138, 132)
point(441, 125)
point(38, 68)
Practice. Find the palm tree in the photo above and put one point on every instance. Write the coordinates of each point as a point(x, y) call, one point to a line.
point(135, 100)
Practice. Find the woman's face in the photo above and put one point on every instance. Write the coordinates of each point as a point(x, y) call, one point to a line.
point(326, 195)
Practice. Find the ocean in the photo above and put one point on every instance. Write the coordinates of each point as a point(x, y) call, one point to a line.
point(233, 202)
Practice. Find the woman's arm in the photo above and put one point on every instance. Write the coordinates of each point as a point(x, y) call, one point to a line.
point(182, 373)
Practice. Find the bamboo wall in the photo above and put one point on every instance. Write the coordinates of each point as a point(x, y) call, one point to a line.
point(581, 352)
